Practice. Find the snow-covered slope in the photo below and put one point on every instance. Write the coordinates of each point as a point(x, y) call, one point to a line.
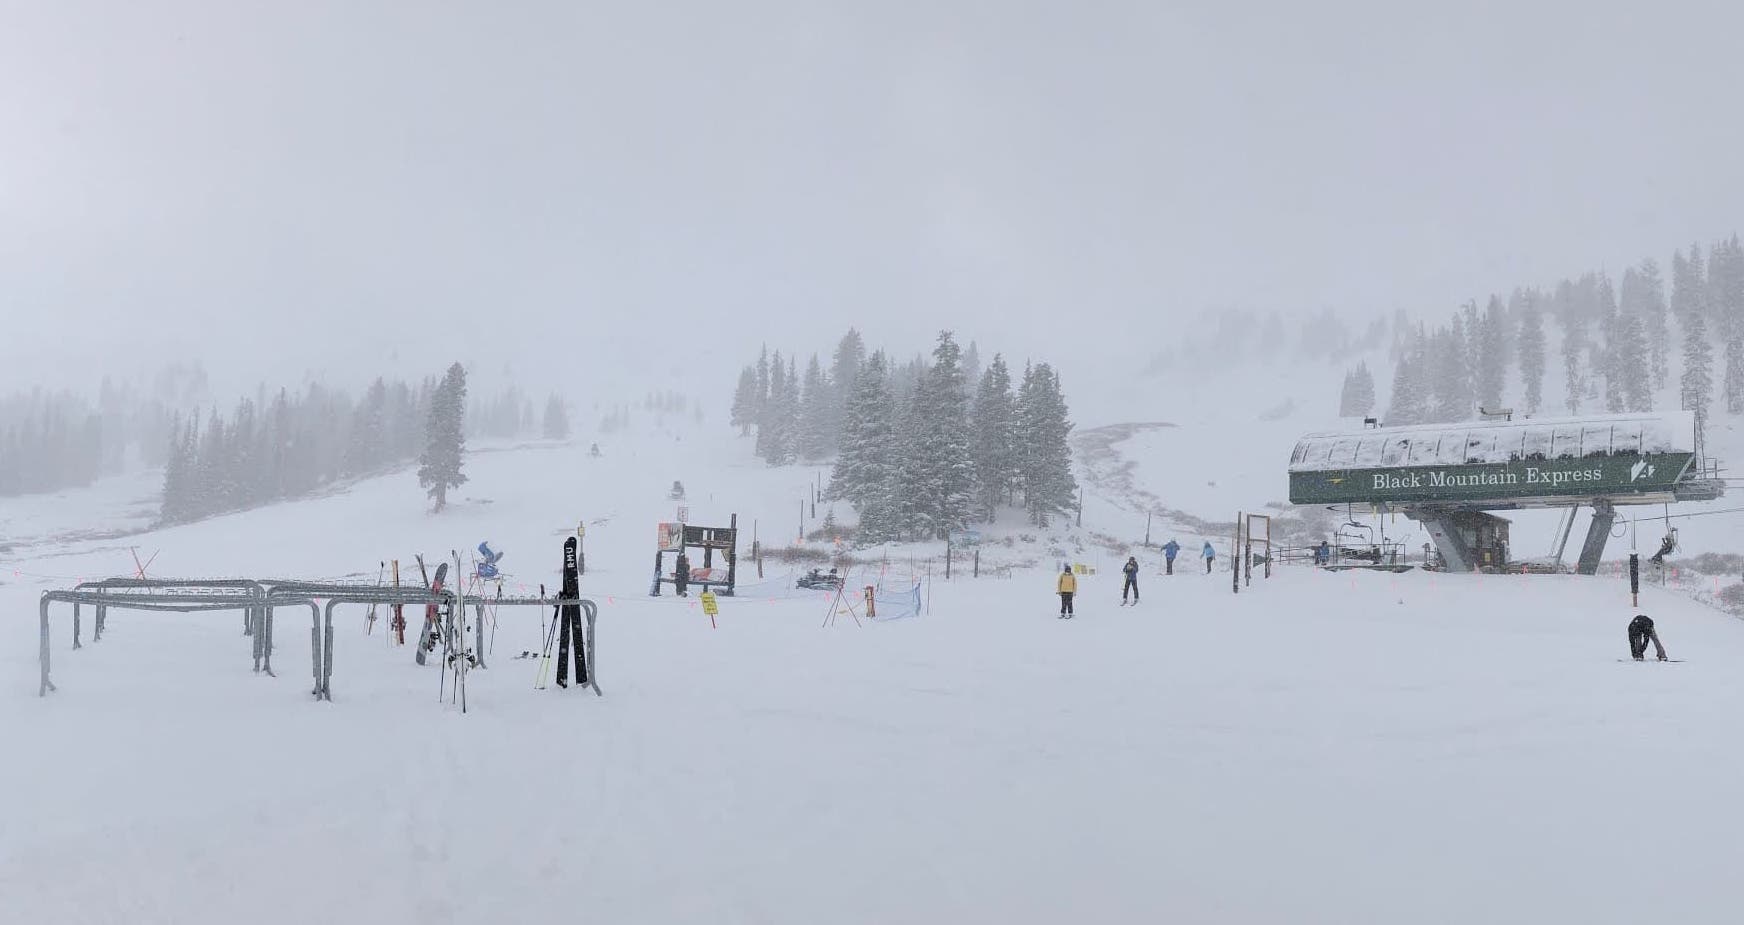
point(1320, 748)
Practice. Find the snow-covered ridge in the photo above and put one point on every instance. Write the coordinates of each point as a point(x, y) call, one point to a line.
point(1497, 441)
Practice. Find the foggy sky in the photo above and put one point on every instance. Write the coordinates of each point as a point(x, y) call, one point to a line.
point(574, 187)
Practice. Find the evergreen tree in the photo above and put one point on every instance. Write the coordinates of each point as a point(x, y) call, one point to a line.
point(780, 432)
point(444, 438)
point(1345, 392)
point(1574, 346)
point(1698, 364)
point(1610, 365)
point(1689, 303)
point(1490, 345)
point(1450, 390)
point(1362, 390)
point(1410, 395)
point(1531, 349)
point(1650, 302)
point(844, 379)
point(942, 489)
point(1045, 455)
point(556, 426)
point(865, 470)
point(994, 424)
point(1632, 364)
point(745, 401)
point(772, 380)
point(815, 439)
point(1726, 304)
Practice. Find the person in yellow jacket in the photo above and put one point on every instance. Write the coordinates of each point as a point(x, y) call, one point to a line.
point(1068, 586)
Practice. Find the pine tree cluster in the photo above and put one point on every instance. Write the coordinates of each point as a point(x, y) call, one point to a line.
point(921, 447)
point(51, 441)
point(1615, 344)
point(270, 449)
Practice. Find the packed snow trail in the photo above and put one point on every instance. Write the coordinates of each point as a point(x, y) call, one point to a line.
point(1321, 748)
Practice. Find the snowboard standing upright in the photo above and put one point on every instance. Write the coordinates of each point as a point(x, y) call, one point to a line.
point(569, 622)
point(432, 624)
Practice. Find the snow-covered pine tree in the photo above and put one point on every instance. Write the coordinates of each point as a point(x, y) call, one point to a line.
point(1491, 353)
point(1574, 345)
point(1531, 350)
point(1344, 395)
point(556, 423)
point(782, 412)
point(943, 486)
point(1362, 390)
point(1409, 401)
point(745, 401)
point(1450, 380)
point(1726, 304)
point(816, 430)
point(844, 378)
point(972, 369)
point(1044, 431)
point(994, 422)
point(444, 438)
point(1611, 355)
point(1651, 295)
point(768, 427)
point(1631, 364)
point(1689, 304)
point(763, 383)
point(864, 466)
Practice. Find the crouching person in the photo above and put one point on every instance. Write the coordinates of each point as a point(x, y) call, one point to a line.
point(1641, 632)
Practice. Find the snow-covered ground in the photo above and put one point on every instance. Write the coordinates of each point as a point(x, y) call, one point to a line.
point(1319, 748)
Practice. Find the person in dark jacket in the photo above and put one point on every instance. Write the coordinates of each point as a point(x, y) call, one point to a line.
point(1171, 549)
point(1641, 632)
point(1131, 570)
point(681, 575)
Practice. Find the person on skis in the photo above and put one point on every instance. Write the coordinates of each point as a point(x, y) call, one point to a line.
point(1131, 571)
point(1171, 549)
point(1067, 586)
point(1641, 632)
point(681, 575)
point(1209, 554)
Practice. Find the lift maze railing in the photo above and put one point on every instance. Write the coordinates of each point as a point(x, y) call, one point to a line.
point(258, 600)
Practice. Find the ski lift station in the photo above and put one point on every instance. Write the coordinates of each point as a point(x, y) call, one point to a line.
point(1449, 477)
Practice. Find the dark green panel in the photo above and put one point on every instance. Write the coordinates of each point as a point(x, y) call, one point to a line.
point(1613, 475)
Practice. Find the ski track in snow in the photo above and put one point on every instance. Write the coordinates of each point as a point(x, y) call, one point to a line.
point(1320, 748)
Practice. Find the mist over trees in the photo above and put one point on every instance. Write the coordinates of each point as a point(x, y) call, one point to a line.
point(922, 446)
point(1614, 344)
point(51, 441)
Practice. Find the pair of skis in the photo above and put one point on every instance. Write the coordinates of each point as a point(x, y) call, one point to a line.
point(568, 631)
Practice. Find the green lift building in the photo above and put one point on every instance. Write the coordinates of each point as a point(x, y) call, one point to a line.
point(1449, 477)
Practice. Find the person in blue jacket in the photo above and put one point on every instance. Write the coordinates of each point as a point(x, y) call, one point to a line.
point(1170, 550)
point(1209, 555)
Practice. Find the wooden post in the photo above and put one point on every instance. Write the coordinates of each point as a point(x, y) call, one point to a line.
point(1147, 542)
point(1080, 507)
point(947, 558)
point(976, 573)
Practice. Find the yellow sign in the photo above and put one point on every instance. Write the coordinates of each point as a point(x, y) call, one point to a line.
point(708, 603)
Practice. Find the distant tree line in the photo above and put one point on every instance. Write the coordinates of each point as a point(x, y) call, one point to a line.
point(920, 448)
point(269, 449)
point(54, 440)
point(1615, 347)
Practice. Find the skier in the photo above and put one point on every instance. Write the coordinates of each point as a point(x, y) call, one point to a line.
point(1170, 550)
point(1209, 555)
point(1131, 570)
point(1640, 633)
point(1323, 553)
point(1068, 586)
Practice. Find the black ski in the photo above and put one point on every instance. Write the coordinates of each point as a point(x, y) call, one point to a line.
point(570, 633)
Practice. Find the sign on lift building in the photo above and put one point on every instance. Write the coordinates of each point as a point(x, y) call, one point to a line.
point(1627, 459)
